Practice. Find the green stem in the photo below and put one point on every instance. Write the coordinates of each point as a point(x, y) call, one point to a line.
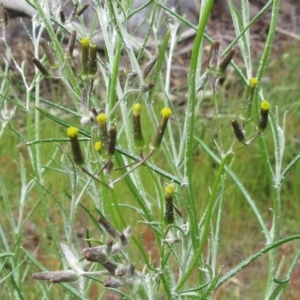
point(112, 87)
point(207, 220)
point(242, 189)
point(37, 113)
point(275, 188)
point(149, 218)
point(190, 117)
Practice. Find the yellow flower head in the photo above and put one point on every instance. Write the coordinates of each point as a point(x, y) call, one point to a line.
point(265, 105)
point(72, 132)
point(78, 157)
point(85, 42)
point(253, 82)
point(136, 108)
point(166, 112)
point(98, 146)
point(101, 118)
point(169, 190)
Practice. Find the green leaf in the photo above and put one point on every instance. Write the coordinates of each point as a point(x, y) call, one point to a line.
point(279, 289)
point(5, 255)
point(62, 122)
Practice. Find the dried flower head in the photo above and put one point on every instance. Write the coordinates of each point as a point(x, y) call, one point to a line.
point(238, 131)
point(71, 44)
point(226, 61)
point(62, 17)
point(111, 144)
point(48, 53)
point(41, 67)
point(150, 64)
point(57, 276)
point(82, 10)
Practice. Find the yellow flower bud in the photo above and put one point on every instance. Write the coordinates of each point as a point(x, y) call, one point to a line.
point(169, 190)
point(166, 112)
point(101, 118)
point(72, 133)
point(98, 146)
point(265, 105)
point(253, 82)
point(264, 113)
point(136, 108)
point(85, 42)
